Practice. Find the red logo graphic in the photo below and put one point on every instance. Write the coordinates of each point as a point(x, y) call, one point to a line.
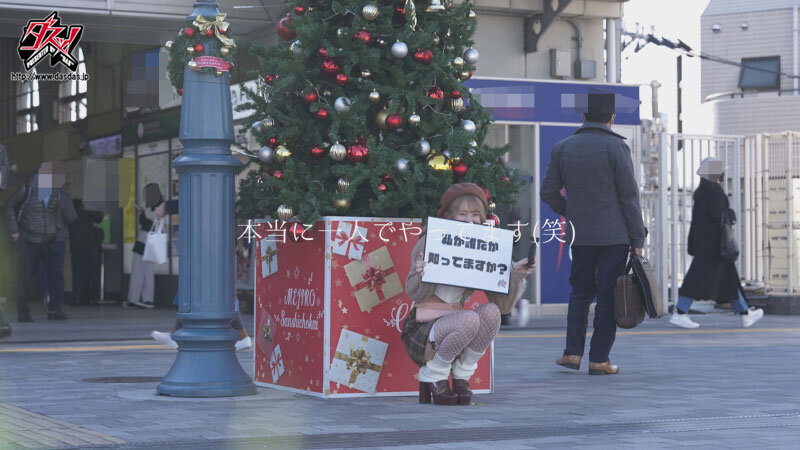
point(48, 37)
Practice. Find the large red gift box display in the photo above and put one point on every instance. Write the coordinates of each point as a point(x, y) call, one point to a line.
point(330, 307)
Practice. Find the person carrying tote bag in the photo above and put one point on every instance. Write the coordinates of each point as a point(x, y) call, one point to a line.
point(155, 249)
point(712, 274)
point(141, 289)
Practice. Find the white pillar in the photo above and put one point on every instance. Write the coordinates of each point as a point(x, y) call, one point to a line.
point(612, 49)
point(795, 45)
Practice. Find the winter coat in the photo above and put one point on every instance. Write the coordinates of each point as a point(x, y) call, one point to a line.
point(602, 199)
point(39, 222)
point(709, 277)
point(3, 168)
point(84, 237)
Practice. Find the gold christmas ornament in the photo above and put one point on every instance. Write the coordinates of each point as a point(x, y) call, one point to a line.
point(492, 206)
point(267, 123)
point(435, 7)
point(190, 50)
point(285, 212)
point(374, 97)
point(168, 46)
point(370, 12)
point(457, 104)
point(380, 119)
point(366, 73)
point(440, 163)
point(218, 73)
point(337, 152)
point(225, 51)
point(342, 203)
point(343, 184)
point(281, 153)
point(192, 65)
point(458, 62)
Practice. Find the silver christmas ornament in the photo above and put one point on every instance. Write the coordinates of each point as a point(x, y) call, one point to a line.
point(402, 164)
point(374, 97)
point(256, 126)
point(399, 50)
point(435, 6)
point(424, 147)
point(267, 123)
point(168, 45)
point(471, 56)
point(414, 120)
point(458, 61)
point(370, 12)
point(447, 153)
point(468, 126)
point(266, 154)
point(296, 48)
point(473, 144)
point(471, 14)
point(342, 104)
point(285, 212)
point(337, 152)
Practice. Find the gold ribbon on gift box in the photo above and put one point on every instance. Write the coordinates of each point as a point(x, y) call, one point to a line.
point(358, 361)
point(218, 24)
point(269, 254)
point(266, 333)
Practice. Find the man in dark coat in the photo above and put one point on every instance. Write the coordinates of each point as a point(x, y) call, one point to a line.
point(710, 276)
point(38, 215)
point(602, 204)
point(85, 250)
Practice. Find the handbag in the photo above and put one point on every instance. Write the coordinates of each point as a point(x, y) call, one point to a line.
point(645, 277)
point(728, 247)
point(629, 307)
point(155, 248)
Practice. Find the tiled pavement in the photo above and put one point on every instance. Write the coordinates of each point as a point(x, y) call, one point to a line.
point(716, 387)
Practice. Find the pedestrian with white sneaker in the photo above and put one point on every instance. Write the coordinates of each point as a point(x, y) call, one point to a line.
point(711, 276)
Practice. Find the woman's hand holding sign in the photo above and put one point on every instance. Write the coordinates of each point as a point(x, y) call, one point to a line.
point(521, 267)
point(420, 263)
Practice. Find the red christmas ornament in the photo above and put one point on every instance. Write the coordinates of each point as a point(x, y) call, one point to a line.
point(296, 231)
point(299, 10)
point(278, 174)
point(322, 114)
point(428, 56)
point(180, 91)
point(227, 66)
point(285, 28)
point(357, 153)
point(382, 187)
point(361, 140)
point(504, 179)
point(363, 36)
point(317, 152)
point(460, 168)
point(394, 121)
point(386, 178)
point(323, 52)
point(210, 32)
point(341, 79)
point(331, 67)
point(269, 78)
point(188, 32)
point(455, 94)
point(311, 97)
point(493, 219)
point(419, 55)
point(436, 93)
point(273, 141)
point(198, 48)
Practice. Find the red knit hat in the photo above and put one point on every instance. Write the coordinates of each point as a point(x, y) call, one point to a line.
point(457, 190)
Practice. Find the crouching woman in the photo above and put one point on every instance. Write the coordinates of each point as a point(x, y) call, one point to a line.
point(441, 337)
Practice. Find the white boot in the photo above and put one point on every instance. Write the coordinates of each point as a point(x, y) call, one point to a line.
point(683, 321)
point(243, 344)
point(466, 364)
point(435, 370)
point(524, 313)
point(164, 338)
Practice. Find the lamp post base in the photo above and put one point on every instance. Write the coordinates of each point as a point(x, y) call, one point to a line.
point(206, 365)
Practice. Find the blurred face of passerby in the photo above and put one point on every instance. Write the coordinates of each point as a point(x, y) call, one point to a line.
point(50, 176)
point(467, 208)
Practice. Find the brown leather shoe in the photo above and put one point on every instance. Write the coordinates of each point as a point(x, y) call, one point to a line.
point(439, 392)
point(461, 388)
point(605, 368)
point(570, 362)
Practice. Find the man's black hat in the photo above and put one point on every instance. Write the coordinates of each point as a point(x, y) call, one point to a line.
point(600, 102)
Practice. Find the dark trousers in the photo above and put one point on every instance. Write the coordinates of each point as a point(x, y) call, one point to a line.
point(52, 254)
point(86, 275)
point(594, 274)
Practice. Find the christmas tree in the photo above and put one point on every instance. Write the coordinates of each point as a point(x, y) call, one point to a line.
point(361, 110)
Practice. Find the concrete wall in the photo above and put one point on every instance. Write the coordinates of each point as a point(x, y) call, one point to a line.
point(757, 115)
point(769, 34)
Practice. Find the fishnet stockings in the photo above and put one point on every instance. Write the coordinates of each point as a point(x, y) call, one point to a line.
point(474, 329)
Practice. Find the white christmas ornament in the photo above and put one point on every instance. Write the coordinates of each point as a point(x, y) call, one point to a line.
point(424, 147)
point(399, 50)
point(471, 56)
point(342, 104)
point(468, 126)
point(266, 154)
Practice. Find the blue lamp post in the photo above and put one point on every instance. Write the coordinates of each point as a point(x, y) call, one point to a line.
point(206, 365)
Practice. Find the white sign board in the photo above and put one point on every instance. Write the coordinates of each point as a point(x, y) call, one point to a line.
point(468, 255)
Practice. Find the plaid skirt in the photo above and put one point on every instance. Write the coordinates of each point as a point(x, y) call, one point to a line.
point(416, 336)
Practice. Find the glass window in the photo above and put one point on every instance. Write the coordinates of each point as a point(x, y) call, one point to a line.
point(27, 105)
point(72, 95)
point(760, 73)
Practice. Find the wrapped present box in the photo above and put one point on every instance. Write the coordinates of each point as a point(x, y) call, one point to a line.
point(374, 280)
point(337, 320)
point(349, 240)
point(357, 361)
